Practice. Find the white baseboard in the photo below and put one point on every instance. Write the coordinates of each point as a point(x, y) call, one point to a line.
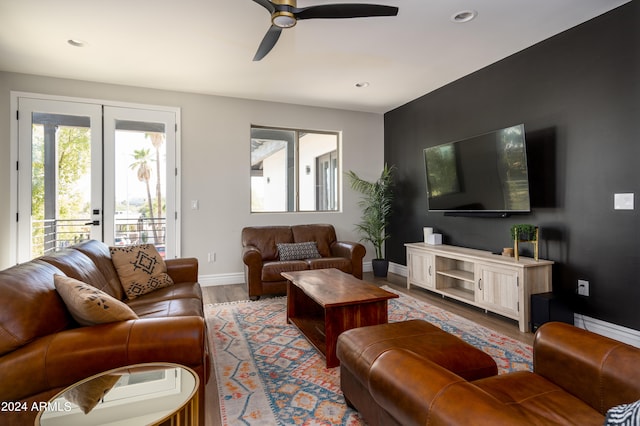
point(613, 331)
point(221, 279)
point(396, 268)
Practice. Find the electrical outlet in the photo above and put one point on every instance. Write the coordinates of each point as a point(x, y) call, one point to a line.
point(211, 257)
point(583, 287)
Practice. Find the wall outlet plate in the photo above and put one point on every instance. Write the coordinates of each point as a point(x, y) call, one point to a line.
point(583, 287)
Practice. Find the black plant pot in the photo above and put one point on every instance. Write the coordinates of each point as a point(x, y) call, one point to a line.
point(380, 267)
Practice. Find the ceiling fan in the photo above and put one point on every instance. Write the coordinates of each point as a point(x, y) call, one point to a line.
point(285, 14)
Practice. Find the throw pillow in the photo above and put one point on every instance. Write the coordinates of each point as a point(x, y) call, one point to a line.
point(88, 305)
point(625, 414)
point(88, 394)
point(141, 269)
point(298, 251)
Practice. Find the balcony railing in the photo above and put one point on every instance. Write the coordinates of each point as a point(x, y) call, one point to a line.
point(52, 235)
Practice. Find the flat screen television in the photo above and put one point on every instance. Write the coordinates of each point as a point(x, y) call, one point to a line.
point(484, 174)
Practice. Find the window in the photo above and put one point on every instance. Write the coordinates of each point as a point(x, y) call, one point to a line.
point(293, 170)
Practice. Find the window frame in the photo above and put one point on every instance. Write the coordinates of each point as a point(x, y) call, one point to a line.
point(293, 203)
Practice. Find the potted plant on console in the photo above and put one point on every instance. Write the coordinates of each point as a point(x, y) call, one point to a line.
point(376, 208)
point(524, 232)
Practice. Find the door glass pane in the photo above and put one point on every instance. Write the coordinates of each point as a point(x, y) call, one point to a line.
point(318, 187)
point(60, 181)
point(327, 178)
point(140, 184)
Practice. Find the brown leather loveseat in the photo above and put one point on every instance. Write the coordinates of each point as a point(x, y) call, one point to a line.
point(43, 350)
point(577, 377)
point(264, 260)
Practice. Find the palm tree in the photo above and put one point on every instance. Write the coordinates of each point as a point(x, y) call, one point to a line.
point(157, 139)
point(143, 169)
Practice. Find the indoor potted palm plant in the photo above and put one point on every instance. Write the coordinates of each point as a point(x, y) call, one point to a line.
point(376, 208)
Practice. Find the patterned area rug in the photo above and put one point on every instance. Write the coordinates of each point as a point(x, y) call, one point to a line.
point(269, 374)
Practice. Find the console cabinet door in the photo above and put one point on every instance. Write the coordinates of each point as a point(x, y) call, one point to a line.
point(497, 289)
point(421, 267)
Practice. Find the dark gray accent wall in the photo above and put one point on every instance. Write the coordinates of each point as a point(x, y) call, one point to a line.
point(578, 95)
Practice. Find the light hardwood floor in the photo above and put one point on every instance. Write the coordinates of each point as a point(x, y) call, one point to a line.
point(236, 292)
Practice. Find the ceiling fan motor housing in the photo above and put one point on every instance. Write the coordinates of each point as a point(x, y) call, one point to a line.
point(283, 17)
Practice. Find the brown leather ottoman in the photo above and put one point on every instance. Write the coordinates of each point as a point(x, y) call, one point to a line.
point(358, 348)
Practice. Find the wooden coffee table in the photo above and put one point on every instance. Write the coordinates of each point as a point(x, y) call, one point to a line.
point(322, 303)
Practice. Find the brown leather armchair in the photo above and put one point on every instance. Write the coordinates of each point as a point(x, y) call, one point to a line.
point(263, 264)
point(43, 350)
point(577, 377)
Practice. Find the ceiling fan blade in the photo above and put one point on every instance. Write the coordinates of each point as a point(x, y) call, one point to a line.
point(269, 40)
point(267, 5)
point(347, 10)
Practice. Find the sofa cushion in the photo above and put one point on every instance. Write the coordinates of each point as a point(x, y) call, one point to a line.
point(88, 305)
point(271, 270)
point(98, 252)
point(141, 269)
point(78, 265)
point(323, 234)
point(173, 292)
point(265, 238)
point(359, 347)
point(341, 263)
point(298, 251)
point(538, 399)
point(148, 306)
point(31, 307)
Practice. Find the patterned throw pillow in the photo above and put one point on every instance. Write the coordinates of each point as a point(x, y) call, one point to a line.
point(625, 414)
point(141, 269)
point(88, 305)
point(298, 251)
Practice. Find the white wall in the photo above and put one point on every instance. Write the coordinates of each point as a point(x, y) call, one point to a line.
point(215, 161)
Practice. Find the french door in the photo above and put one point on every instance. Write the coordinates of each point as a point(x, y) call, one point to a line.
point(93, 171)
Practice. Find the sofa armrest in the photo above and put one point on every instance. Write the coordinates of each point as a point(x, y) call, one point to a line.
point(61, 359)
point(416, 391)
point(600, 371)
point(350, 250)
point(183, 270)
point(252, 256)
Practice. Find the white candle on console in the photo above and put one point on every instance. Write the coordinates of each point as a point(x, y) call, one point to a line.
point(427, 231)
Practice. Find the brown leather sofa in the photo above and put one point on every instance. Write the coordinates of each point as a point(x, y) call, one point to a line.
point(43, 350)
point(577, 377)
point(263, 264)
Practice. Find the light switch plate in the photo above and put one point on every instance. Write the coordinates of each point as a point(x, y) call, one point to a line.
point(623, 201)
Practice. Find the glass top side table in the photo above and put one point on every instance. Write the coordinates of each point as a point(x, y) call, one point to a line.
point(142, 394)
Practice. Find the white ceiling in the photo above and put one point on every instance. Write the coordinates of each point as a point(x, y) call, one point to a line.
point(207, 46)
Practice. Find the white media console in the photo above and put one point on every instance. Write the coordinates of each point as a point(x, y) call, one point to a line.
point(490, 281)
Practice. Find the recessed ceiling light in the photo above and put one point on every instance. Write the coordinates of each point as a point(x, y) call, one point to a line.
point(464, 16)
point(362, 84)
point(76, 43)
